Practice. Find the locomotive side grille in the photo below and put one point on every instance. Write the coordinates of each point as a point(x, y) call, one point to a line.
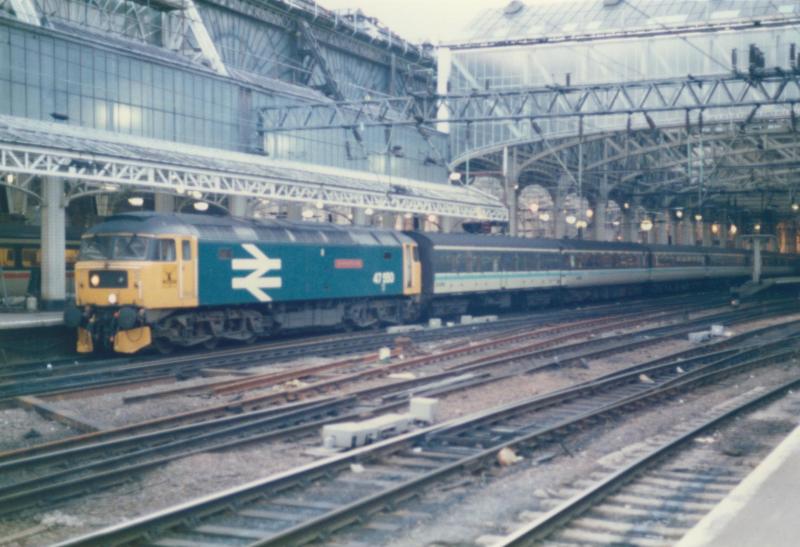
point(109, 279)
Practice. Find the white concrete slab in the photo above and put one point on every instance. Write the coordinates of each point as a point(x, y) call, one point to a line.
point(23, 320)
point(762, 510)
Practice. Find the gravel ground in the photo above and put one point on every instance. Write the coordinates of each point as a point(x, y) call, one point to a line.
point(191, 477)
point(21, 428)
point(482, 508)
point(174, 483)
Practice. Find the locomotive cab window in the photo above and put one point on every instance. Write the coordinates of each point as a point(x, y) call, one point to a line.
point(186, 250)
point(166, 250)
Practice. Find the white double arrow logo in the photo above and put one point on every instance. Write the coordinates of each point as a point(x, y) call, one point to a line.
point(260, 264)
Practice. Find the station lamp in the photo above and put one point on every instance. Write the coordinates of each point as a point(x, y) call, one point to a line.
point(626, 205)
point(698, 217)
point(369, 211)
point(200, 206)
point(319, 204)
point(407, 215)
point(589, 213)
point(733, 229)
point(615, 223)
point(534, 207)
point(136, 201)
point(715, 228)
point(197, 194)
point(679, 213)
point(10, 178)
point(455, 176)
point(795, 207)
point(545, 216)
point(581, 224)
point(646, 225)
point(757, 228)
point(432, 218)
point(571, 219)
point(307, 213)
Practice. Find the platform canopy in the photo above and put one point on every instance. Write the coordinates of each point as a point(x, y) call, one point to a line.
point(38, 148)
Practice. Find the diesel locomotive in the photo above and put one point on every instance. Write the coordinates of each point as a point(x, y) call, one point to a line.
point(167, 280)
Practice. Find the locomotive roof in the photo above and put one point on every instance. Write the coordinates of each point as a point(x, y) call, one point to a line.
point(228, 228)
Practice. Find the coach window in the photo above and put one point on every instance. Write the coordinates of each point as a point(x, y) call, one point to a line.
point(166, 250)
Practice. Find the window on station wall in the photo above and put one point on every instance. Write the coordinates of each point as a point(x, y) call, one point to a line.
point(31, 258)
point(71, 256)
point(8, 257)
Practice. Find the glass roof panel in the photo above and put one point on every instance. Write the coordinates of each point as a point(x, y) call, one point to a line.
point(532, 19)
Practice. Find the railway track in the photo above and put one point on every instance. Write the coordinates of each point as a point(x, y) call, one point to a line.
point(107, 458)
point(41, 380)
point(316, 500)
point(657, 497)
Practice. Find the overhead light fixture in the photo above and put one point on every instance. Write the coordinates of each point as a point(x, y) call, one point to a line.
point(369, 211)
point(455, 176)
point(534, 207)
point(581, 224)
point(307, 213)
point(679, 213)
point(264, 201)
point(545, 216)
point(795, 207)
point(733, 229)
point(110, 187)
point(757, 227)
point(589, 213)
point(319, 204)
point(571, 219)
point(200, 206)
point(646, 225)
point(136, 201)
point(349, 216)
point(698, 217)
point(197, 194)
point(615, 223)
point(10, 178)
point(180, 190)
point(626, 205)
point(431, 218)
point(715, 228)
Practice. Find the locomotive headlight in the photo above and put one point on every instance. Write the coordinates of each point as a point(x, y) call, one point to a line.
point(94, 280)
point(112, 298)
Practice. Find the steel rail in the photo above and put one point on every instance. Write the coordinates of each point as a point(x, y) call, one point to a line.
point(434, 442)
point(555, 519)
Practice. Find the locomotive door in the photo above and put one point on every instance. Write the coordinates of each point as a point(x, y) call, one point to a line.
point(187, 271)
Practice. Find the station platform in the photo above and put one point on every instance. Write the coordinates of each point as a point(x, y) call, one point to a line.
point(762, 510)
point(28, 320)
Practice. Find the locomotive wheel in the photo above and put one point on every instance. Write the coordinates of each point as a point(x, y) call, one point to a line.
point(210, 343)
point(163, 346)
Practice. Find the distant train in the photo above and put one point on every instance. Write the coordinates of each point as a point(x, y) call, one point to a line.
point(21, 257)
point(170, 280)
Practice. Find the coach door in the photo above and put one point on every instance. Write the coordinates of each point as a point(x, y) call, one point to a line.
point(412, 269)
point(187, 266)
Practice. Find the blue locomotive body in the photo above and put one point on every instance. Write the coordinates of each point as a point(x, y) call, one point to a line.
point(246, 272)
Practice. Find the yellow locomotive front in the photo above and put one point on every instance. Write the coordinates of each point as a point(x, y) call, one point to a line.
point(124, 281)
